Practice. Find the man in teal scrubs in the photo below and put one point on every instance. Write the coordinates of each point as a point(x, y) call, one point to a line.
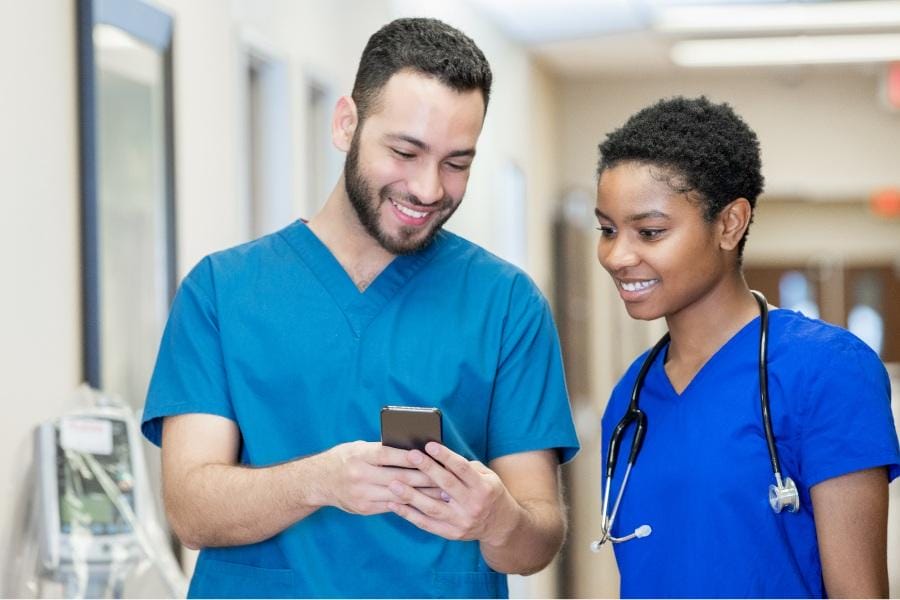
point(280, 353)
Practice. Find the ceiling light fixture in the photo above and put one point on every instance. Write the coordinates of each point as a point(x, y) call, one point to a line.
point(797, 50)
point(805, 17)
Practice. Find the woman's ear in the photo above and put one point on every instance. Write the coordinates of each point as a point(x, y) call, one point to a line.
point(344, 123)
point(733, 223)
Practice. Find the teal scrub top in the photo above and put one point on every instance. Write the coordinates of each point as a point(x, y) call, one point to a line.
point(274, 335)
point(701, 480)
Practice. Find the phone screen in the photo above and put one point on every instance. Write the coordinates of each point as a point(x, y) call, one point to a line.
point(410, 427)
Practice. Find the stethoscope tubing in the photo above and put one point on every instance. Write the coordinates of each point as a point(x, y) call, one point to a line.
point(635, 415)
point(764, 381)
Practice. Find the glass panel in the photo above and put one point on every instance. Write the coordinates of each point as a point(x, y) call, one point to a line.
point(864, 318)
point(324, 163)
point(512, 233)
point(796, 293)
point(131, 209)
point(268, 151)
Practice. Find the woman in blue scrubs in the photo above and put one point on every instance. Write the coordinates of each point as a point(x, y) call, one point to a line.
point(676, 194)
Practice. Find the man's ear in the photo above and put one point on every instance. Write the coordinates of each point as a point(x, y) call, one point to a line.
point(344, 123)
point(733, 223)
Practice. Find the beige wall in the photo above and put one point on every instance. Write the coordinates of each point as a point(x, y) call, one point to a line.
point(824, 137)
point(40, 357)
point(542, 117)
point(823, 131)
point(846, 231)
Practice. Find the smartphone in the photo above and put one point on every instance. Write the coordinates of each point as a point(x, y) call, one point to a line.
point(410, 427)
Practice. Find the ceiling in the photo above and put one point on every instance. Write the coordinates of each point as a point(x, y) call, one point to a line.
point(589, 38)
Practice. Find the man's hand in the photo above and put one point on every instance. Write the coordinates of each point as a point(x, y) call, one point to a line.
point(359, 473)
point(211, 500)
point(475, 504)
point(514, 508)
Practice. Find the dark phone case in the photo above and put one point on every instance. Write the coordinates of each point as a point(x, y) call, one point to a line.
point(409, 427)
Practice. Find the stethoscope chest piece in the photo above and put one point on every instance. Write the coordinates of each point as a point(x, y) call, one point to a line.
point(784, 495)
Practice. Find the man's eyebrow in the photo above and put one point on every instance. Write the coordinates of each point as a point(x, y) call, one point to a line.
point(399, 137)
point(425, 147)
point(463, 153)
point(650, 214)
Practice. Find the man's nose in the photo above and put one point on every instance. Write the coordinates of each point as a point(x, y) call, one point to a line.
point(427, 186)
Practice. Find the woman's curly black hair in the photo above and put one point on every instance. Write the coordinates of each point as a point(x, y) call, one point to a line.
point(705, 149)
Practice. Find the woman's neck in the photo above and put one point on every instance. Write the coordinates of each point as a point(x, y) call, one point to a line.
point(700, 329)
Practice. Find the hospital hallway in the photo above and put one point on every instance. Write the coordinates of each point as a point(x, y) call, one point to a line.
point(139, 136)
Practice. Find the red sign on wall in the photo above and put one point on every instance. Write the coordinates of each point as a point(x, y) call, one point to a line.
point(892, 86)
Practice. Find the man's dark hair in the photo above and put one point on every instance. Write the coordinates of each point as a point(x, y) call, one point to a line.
point(704, 149)
point(426, 46)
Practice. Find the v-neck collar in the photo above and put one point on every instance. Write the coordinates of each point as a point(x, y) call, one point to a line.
point(752, 326)
point(359, 307)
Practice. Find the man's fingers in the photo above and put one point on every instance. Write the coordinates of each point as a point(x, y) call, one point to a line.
point(424, 522)
point(435, 493)
point(454, 463)
point(436, 508)
point(379, 507)
point(441, 477)
point(386, 456)
point(370, 500)
point(411, 477)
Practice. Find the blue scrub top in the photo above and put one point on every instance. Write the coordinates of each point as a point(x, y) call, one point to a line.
point(701, 480)
point(275, 336)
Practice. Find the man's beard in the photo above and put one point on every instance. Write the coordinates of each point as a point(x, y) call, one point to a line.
point(367, 205)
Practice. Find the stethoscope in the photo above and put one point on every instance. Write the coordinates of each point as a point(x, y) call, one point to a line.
point(782, 495)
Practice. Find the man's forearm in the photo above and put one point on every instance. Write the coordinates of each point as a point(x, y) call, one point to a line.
point(229, 505)
point(534, 537)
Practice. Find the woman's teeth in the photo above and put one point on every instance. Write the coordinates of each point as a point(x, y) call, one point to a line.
point(637, 286)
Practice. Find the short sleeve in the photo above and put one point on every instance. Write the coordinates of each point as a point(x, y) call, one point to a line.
point(530, 405)
point(847, 422)
point(189, 376)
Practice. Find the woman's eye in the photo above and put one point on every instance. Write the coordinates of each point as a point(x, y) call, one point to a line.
point(402, 154)
point(651, 234)
point(606, 231)
point(457, 167)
